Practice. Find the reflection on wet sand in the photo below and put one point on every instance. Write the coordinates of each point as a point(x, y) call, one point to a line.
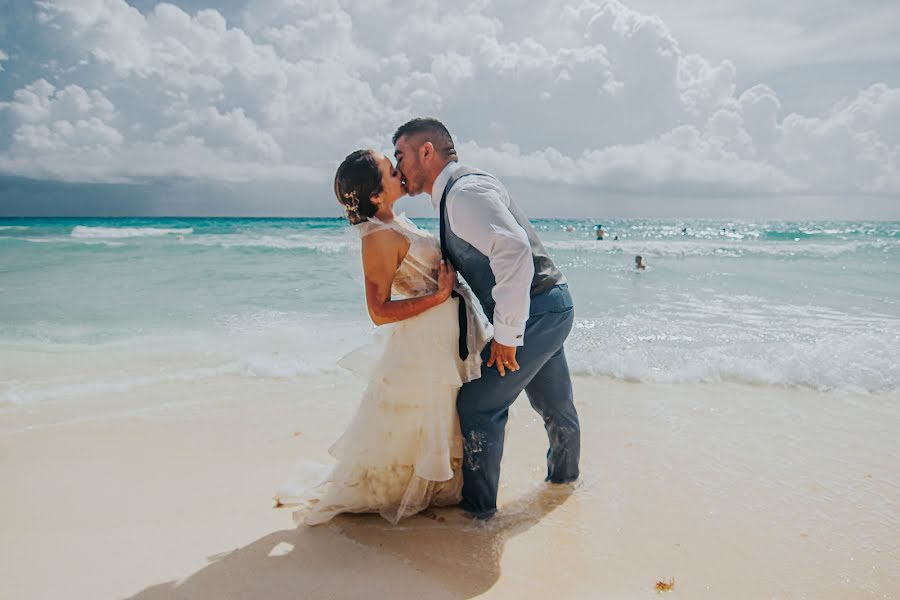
point(451, 555)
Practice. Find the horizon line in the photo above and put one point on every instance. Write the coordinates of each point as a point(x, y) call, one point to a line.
point(321, 218)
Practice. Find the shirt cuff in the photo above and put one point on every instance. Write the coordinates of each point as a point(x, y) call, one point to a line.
point(509, 335)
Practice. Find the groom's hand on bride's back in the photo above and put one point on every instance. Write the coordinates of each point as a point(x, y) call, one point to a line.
point(504, 357)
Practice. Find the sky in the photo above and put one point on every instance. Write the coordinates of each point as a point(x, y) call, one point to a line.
point(594, 108)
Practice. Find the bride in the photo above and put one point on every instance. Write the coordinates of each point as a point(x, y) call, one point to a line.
point(402, 451)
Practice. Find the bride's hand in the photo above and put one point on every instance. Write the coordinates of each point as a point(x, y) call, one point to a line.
point(446, 279)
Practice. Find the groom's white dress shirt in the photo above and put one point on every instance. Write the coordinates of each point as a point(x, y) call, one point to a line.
point(478, 212)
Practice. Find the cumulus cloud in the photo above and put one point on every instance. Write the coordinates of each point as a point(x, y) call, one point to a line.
point(770, 34)
point(589, 93)
point(855, 147)
point(683, 161)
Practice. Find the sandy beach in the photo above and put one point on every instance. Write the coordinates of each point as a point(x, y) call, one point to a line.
point(733, 491)
point(209, 209)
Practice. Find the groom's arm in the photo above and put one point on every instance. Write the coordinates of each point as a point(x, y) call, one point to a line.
point(478, 211)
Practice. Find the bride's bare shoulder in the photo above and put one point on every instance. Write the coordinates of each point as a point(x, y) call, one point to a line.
point(385, 236)
point(386, 243)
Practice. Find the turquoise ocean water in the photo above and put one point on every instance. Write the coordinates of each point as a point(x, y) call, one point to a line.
point(786, 303)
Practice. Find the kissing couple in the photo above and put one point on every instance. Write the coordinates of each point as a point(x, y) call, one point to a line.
point(456, 352)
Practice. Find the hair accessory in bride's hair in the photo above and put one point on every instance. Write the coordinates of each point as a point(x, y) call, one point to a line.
point(351, 203)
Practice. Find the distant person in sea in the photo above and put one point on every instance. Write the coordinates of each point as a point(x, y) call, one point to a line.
point(639, 263)
point(600, 233)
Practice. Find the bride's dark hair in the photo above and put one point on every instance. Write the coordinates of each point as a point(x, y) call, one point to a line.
point(356, 181)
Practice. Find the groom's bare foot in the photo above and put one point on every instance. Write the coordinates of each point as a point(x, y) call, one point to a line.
point(573, 481)
point(472, 514)
point(563, 487)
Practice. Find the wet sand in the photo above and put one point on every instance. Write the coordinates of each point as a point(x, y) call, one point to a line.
point(735, 491)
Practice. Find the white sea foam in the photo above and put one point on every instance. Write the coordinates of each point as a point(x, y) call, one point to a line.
point(321, 244)
point(18, 393)
point(279, 367)
point(721, 248)
point(843, 354)
point(71, 240)
point(848, 355)
point(83, 231)
point(13, 228)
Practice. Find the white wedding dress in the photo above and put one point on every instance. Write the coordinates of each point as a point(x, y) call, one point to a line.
point(402, 451)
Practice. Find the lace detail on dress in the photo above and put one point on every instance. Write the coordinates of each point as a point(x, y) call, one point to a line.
point(402, 449)
point(417, 274)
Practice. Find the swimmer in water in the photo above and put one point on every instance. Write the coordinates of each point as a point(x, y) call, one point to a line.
point(639, 263)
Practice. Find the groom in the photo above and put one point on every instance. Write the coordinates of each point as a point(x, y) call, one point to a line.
point(492, 245)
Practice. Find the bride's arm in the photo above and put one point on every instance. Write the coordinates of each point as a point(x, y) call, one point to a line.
point(382, 253)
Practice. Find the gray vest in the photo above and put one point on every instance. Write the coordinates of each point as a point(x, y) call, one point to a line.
point(475, 267)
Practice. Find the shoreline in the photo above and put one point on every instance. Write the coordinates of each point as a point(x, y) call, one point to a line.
point(94, 386)
point(734, 491)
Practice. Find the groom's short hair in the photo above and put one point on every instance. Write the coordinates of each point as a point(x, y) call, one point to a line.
point(428, 129)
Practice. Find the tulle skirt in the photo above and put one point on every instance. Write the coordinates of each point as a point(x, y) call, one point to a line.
point(402, 450)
